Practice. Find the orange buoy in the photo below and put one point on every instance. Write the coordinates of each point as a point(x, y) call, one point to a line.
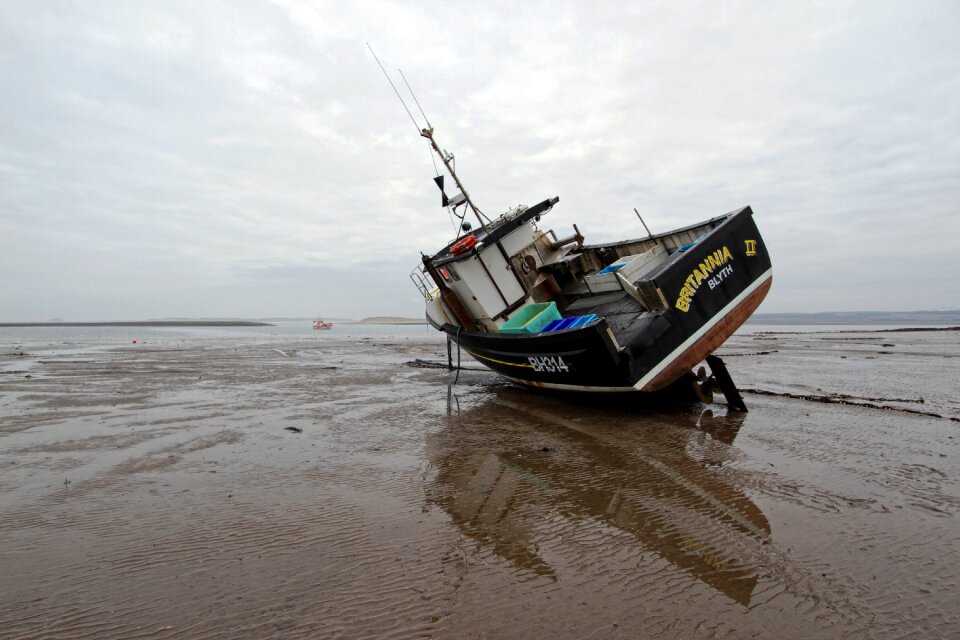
point(463, 244)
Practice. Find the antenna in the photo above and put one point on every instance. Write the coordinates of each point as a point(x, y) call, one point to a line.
point(387, 76)
point(427, 133)
point(429, 126)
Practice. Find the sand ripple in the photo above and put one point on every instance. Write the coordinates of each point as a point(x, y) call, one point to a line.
point(156, 493)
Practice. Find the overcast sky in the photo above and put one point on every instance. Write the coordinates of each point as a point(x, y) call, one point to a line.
point(248, 158)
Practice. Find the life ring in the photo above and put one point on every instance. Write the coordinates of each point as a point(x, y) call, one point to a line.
point(463, 244)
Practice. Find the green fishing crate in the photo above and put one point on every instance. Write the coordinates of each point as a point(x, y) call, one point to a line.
point(531, 318)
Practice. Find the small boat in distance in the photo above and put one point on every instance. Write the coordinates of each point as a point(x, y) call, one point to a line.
point(320, 324)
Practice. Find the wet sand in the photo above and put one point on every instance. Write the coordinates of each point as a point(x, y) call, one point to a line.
point(157, 491)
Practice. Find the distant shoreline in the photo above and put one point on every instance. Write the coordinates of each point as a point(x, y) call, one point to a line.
point(391, 320)
point(146, 323)
point(951, 317)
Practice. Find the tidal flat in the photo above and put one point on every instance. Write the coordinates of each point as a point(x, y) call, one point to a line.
point(258, 485)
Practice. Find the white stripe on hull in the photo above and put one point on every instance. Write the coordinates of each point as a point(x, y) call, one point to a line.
point(568, 387)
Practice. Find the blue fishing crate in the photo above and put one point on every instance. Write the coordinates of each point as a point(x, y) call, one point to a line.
point(583, 321)
point(553, 325)
point(614, 267)
point(565, 323)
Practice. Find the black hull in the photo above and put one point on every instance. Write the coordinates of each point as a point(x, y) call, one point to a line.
point(711, 289)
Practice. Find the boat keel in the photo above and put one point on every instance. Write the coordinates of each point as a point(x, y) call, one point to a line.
point(723, 380)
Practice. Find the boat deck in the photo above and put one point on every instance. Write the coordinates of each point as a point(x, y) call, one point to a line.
point(623, 314)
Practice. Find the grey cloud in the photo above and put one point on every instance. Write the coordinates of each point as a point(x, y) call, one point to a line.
point(248, 159)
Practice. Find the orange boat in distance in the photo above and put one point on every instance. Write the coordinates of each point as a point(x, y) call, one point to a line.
point(320, 324)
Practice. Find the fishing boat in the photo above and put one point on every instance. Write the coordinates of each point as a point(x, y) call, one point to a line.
point(558, 313)
point(320, 324)
point(636, 315)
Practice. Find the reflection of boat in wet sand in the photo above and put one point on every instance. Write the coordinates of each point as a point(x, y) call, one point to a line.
point(665, 494)
point(320, 324)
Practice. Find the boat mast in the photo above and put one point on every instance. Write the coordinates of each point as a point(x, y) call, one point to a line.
point(428, 134)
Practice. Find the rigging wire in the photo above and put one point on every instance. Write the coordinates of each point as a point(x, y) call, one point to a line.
point(481, 213)
point(458, 224)
point(457, 378)
point(457, 228)
point(436, 169)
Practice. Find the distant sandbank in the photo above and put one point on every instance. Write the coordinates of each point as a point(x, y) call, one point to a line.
point(146, 323)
